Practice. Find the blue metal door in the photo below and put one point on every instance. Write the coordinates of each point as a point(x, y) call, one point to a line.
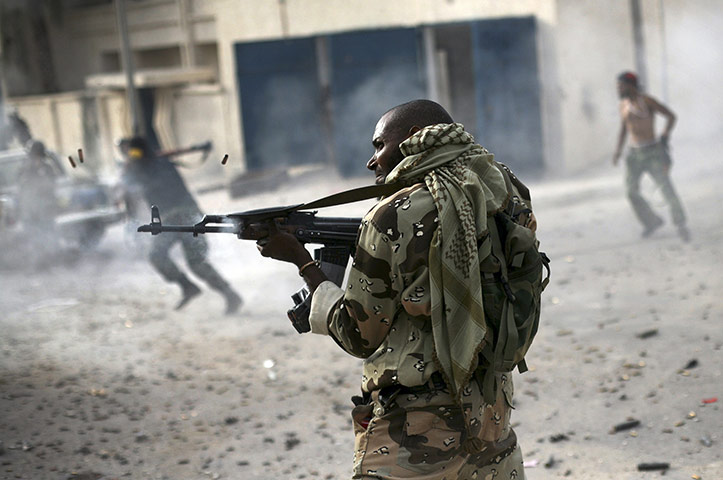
point(509, 120)
point(281, 107)
point(371, 71)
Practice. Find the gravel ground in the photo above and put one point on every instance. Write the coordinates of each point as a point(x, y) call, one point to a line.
point(101, 379)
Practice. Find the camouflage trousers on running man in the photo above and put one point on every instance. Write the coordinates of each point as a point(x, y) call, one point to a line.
point(654, 160)
point(420, 436)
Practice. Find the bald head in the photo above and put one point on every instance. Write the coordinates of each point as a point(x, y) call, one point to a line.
point(417, 113)
point(395, 126)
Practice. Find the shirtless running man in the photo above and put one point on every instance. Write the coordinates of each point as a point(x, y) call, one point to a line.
point(646, 153)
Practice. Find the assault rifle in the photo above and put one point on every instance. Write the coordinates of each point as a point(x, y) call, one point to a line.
point(336, 234)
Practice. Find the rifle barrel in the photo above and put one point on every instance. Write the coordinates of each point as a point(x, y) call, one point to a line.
point(195, 229)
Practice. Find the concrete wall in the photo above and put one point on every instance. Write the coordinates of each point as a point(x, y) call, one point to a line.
point(582, 45)
point(185, 116)
point(85, 39)
point(57, 120)
point(593, 43)
point(685, 64)
point(550, 107)
point(196, 115)
point(85, 35)
point(254, 20)
point(250, 20)
point(86, 42)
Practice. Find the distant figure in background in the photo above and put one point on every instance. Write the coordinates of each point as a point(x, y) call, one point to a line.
point(161, 185)
point(646, 153)
point(37, 203)
point(13, 126)
point(41, 161)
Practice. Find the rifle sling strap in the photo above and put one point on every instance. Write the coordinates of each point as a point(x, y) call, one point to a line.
point(386, 189)
point(353, 195)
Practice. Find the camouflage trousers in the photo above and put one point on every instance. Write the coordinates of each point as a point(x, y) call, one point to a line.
point(654, 160)
point(420, 436)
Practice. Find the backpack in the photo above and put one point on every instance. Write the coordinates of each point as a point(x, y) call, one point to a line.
point(512, 283)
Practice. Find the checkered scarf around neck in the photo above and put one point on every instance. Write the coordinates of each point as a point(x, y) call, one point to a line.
point(466, 188)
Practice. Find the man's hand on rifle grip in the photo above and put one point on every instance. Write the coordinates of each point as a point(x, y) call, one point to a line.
point(283, 246)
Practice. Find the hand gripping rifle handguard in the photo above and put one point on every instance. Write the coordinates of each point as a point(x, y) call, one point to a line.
point(336, 234)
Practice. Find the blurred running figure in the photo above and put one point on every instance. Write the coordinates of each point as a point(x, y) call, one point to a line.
point(160, 184)
point(38, 204)
point(646, 153)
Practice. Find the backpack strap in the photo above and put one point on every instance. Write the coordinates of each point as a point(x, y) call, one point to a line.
point(515, 188)
point(508, 185)
point(521, 187)
point(501, 355)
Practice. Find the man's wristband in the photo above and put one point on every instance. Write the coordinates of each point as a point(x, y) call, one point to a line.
point(306, 265)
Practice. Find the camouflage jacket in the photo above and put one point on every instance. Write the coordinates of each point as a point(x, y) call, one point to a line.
point(383, 316)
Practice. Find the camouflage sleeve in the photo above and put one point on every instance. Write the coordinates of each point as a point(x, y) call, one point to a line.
point(361, 320)
point(326, 297)
point(389, 275)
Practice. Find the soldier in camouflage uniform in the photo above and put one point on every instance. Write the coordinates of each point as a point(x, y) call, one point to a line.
point(646, 154)
point(422, 413)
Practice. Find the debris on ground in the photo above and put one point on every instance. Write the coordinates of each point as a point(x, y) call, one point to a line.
point(625, 426)
point(649, 467)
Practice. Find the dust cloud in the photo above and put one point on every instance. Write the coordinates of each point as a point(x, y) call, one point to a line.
point(101, 379)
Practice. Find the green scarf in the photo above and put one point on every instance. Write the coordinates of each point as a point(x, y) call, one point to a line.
point(466, 188)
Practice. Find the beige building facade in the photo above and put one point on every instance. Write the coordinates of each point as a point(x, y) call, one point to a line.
point(187, 52)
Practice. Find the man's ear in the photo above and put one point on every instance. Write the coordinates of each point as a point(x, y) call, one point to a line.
point(413, 130)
